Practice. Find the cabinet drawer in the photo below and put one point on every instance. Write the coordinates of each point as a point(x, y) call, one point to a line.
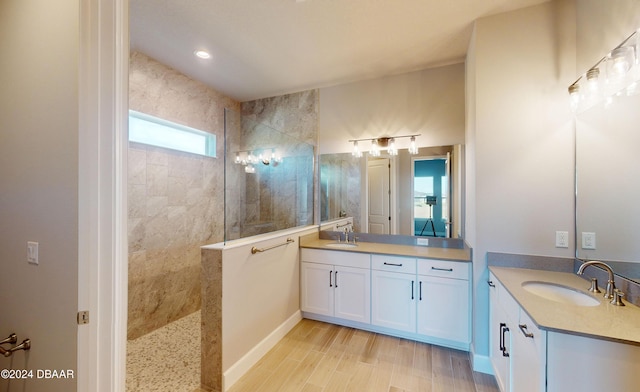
point(443, 269)
point(333, 257)
point(393, 264)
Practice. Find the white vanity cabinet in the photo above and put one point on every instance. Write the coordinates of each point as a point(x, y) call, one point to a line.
point(393, 295)
point(518, 347)
point(336, 284)
point(426, 300)
point(443, 300)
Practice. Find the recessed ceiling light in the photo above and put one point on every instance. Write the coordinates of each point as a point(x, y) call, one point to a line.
point(203, 54)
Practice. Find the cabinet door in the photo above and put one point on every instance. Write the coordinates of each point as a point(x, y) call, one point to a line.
point(529, 357)
point(352, 294)
point(316, 288)
point(443, 308)
point(393, 300)
point(498, 335)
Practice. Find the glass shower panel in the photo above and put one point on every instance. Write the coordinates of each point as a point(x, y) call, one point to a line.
point(268, 179)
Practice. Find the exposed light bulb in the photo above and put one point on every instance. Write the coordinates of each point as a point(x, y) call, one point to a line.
point(238, 160)
point(619, 62)
point(392, 150)
point(592, 80)
point(574, 96)
point(356, 150)
point(375, 148)
point(413, 147)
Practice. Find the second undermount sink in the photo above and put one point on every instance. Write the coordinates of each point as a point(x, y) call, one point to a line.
point(560, 293)
point(342, 245)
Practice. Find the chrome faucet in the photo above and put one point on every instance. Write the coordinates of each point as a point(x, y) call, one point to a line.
point(611, 285)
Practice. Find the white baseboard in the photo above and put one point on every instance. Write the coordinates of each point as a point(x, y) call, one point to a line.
point(482, 364)
point(238, 369)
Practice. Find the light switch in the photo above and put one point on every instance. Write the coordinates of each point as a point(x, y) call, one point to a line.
point(32, 253)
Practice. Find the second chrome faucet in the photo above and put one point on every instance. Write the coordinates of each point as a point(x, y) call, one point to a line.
point(611, 291)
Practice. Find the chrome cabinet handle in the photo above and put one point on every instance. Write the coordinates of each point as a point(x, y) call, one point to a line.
point(490, 283)
point(330, 274)
point(442, 269)
point(412, 283)
point(336, 280)
point(420, 297)
point(523, 329)
point(505, 329)
point(392, 264)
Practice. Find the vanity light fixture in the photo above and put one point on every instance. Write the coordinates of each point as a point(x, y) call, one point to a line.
point(379, 144)
point(266, 156)
point(622, 73)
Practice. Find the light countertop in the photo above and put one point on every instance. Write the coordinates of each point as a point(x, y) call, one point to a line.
point(603, 321)
point(452, 254)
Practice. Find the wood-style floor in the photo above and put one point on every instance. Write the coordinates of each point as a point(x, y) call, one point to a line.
point(316, 356)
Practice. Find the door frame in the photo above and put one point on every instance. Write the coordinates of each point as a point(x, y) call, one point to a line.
point(413, 176)
point(103, 69)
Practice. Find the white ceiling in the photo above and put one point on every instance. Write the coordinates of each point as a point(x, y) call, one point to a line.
point(264, 48)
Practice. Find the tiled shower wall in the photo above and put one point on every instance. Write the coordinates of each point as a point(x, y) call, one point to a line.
point(274, 197)
point(175, 199)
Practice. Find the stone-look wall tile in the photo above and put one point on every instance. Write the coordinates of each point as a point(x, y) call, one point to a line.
point(273, 196)
point(211, 338)
point(175, 198)
point(137, 165)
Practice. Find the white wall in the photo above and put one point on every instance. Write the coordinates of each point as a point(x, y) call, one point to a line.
point(428, 102)
point(39, 177)
point(520, 139)
point(601, 26)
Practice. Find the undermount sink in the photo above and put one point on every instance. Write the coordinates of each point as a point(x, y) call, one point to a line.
point(559, 293)
point(342, 245)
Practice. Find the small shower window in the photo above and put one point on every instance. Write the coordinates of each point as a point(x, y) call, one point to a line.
point(155, 131)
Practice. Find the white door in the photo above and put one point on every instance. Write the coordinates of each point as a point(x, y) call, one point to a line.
point(317, 288)
point(443, 308)
point(353, 294)
point(379, 196)
point(393, 300)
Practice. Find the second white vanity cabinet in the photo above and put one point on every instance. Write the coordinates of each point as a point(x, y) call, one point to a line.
point(518, 348)
point(529, 358)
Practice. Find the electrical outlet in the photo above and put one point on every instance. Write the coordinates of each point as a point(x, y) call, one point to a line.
point(562, 239)
point(422, 241)
point(588, 240)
